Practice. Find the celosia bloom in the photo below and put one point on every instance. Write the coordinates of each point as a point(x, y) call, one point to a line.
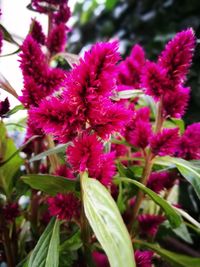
point(10, 211)
point(189, 147)
point(86, 154)
point(149, 223)
point(62, 15)
point(130, 69)
point(165, 142)
point(154, 80)
point(4, 107)
point(44, 6)
point(100, 259)
point(175, 103)
point(177, 57)
point(143, 258)
point(161, 180)
point(37, 33)
point(39, 79)
point(64, 207)
point(55, 117)
point(57, 39)
point(138, 131)
point(64, 171)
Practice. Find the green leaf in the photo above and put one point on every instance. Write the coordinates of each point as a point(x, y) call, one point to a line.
point(49, 184)
point(173, 217)
point(72, 243)
point(46, 252)
point(8, 169)
point(186, 168)
point(106, 222)
point(110, 4)
point(55, 150)
point(14, 110)
point(177, 260)
point(7, 36)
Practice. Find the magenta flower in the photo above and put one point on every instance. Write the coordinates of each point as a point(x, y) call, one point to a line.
point(57, 39)
point(44, 6)
point(130, 69)
point(138, 131)
point(55, 117)
point(4, 107)
point(158, 181)
point(106, 118)
point(10, 211)
point(154, 80)
point(149, 223)
point(175, 103)
point(100, 259)
point(177, 57)
point(64, 207)
point(37, 32)
point(189, 147)
point(165, 142)
point(65, 171)
point(86, 154)
point(143, 258)
point(62, 15)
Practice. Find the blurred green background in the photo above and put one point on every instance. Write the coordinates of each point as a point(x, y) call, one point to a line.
point(147, 22)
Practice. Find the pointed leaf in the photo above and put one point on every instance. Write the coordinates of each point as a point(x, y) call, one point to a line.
point(173, 217)
point(49, 184)
point(46, 252)
point(106, 222)
point(177, 260)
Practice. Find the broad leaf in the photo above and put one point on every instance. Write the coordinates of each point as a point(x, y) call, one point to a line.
point(8, 169)
point(7, 36)
point(72, 243)
point(106, 222)
point(57, 149)
point(186, 168)
point(46, 252)
point(49, 184)
point(177, 260)
point(14, 110)
point(173, 217)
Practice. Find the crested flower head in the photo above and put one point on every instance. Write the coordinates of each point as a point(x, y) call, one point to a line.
point(161, 180)
point(165, 142)
point(143, 258)
point(175, 103)
point(138, 130)
point(100, 259)
point(65, 171)
point(177, 57)
point(45, 6)
point(154, 79)
point(189, 147)
point(4, 107)
point(63, 14)
point(86, 154)
point(130, 69)
point(57, 39)
point(55, 117)
point(37, 32)
point(149, 223)
point(107, 117)
point(11, 211)
point(64, 206)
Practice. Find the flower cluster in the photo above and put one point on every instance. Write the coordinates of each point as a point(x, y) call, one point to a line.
point(86, 154)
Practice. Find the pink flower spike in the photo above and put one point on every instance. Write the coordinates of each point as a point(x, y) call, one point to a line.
point(64, 171)
point(177, 57)
point(175, 103)
point(189, 147)
point(37, 32)
point(130, 69)
point(143, 258)
point(154, 80)
point(149, 223)
point(65, 207)
point(100, 259)
point(165, 142)
point(161, 180)
point(57, 39)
